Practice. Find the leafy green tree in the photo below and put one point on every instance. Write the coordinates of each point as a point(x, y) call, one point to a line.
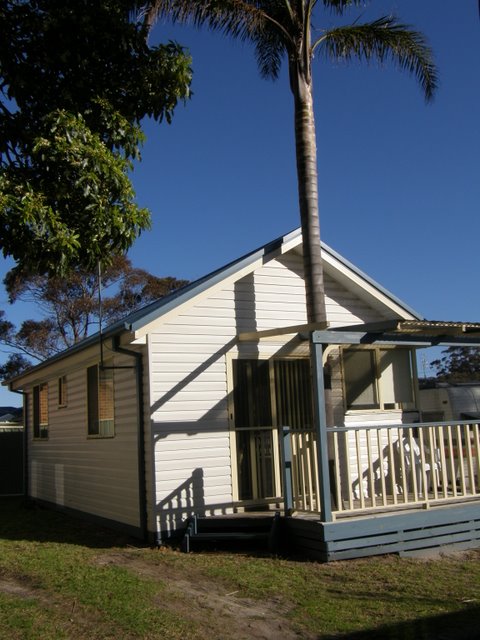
point(68, 307)
point(458, 364)
point(283, 30)
point(76, 79)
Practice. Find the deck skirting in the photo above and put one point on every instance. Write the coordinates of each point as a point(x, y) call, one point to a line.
point(408, 533)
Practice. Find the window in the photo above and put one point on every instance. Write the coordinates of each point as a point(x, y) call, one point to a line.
point(40, 411)
point(62, 391)
point(378, 379)
point(100, 401)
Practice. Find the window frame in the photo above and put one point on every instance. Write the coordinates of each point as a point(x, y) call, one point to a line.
point(95, 428)
point(40, 429)
point(62, 394)
point(379, 390)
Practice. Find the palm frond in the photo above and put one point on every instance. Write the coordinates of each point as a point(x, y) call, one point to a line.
point(237, 18)
point(266, 23)
point(269, 52)
point(339, 6)
point(381, 40)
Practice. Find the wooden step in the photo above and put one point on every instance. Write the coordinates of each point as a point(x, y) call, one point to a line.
point(223, 528)
point(230, 535)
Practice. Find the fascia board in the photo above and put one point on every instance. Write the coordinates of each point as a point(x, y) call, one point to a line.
point(172, 310)
point(57, 367)
point(350, 274)
point(135, 328)
point(142, 322)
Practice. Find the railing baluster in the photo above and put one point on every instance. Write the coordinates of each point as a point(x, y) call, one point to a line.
point(432, 446)
point(338, 480)
point(381, 467)
point(468, 443)
point(311, 483)
point(422, 477)
point(476, 431)
point(370, 476)
point(443, 463)
point(461, 464)
point(451, 455)
point(392, 465)
point(349, 472)
point(413, 474)
point(403, 470)
point(295, 488)
point(359, 470)
point(303, 471)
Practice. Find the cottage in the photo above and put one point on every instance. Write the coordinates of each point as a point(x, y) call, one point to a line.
point(202, 404)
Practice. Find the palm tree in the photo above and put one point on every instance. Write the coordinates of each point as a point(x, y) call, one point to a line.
point(282, 29)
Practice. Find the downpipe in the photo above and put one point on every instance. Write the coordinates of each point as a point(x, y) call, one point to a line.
point(142, 480)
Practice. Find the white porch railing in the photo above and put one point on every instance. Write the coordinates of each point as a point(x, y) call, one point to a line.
point(380, 467)
point(304, 469)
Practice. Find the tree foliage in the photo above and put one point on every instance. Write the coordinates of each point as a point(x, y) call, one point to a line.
point(68, 307)
point(15, 364)
point(458, 364)
point(76, 79)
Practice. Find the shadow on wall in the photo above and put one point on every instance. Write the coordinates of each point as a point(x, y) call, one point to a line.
point(197, 477)
point(184, 501)
point(245, 320)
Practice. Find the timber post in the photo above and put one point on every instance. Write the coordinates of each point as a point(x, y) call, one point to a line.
point(287, 471)
point(320, 418)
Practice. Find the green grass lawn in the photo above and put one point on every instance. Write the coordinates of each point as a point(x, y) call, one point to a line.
point(62, 578)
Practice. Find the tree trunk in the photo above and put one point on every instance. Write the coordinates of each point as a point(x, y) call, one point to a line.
point(306, 153)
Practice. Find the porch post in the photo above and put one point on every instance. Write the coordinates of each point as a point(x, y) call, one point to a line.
point(321, 426)
point(287, 470)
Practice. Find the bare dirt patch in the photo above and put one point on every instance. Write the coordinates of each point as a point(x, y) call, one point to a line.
point(223, 614)
point(14, 588)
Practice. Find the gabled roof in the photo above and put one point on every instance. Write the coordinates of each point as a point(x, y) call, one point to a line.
point(144, 316)
point(141, 318)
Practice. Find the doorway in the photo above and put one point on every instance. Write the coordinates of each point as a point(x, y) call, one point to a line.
point(267, 395)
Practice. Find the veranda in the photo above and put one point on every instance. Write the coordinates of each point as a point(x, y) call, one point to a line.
point(350, 491)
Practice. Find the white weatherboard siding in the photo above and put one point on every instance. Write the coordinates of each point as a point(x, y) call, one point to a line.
point(188, 379)
point(93, 475)
point(188, 341)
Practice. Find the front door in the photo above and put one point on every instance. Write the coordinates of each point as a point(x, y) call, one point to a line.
point(267, 394)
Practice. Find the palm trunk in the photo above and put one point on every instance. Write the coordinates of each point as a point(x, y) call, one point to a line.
point(306, 153)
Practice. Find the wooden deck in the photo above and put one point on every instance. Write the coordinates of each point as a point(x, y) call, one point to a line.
point(386, 489)
point(412, 530)
point(407, 532)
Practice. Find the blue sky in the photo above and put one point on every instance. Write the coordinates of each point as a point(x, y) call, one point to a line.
point(399, 180)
